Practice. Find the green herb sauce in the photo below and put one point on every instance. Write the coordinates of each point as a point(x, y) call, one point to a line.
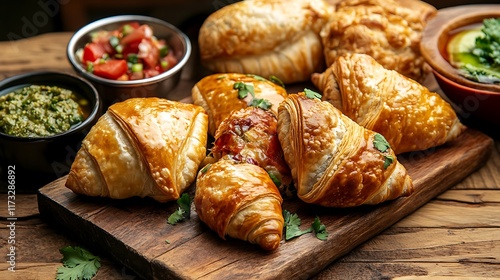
point(475, 51)
point(39, 111)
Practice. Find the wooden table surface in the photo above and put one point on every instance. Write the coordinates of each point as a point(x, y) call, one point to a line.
point(455, 235)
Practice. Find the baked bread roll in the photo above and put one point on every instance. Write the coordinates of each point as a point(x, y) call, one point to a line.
point(388, 30)
point(409, 115)
point(334, 161)
point(220, 94)
point(241, 201)
point(249, 135)
point(266, 37)
point(146, 147)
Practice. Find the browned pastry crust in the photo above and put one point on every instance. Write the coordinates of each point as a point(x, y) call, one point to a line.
point(241, 201)
point(217, 95)
point(409, 115)
point(388, 30)
point(334, 161)
point(249, 135)
point(266, 37)
point(141, 147)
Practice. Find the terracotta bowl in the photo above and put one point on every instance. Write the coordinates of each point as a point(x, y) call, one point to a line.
point(474, 99)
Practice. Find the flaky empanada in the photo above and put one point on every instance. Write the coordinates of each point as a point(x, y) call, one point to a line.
point(388, 30)
point(146, 147)
point(241, 201)
point(409, 115)
point(221, 94)
point(249, 135)
point(266, 37)
point(334, 161)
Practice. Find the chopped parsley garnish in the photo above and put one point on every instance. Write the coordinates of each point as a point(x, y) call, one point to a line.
point(292, 225)
point(319, 229)
point(277, 81)
point(78, 264)
point(257, 77)
point(275, 179)
point(311, 94)
point(183, 212)
point(381, 144)
point(205, 168)
point(245, 89)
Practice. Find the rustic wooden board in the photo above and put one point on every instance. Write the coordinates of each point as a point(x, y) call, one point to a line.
point(134, 231)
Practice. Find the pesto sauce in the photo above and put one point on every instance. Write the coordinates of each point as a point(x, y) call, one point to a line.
point(39, 111)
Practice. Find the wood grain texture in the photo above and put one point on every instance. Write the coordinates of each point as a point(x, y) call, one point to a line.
point(135, 230)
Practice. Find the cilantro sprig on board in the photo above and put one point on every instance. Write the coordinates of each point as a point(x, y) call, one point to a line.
point(183, 212)
point(293, 224)
point(78, 264)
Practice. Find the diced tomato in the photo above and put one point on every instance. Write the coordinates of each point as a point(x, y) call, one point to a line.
point(93, 51)
point(111, 69)
point(149, 53)
point(170, 59)
point(144, 31)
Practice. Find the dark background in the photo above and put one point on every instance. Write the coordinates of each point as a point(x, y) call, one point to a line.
point(27, 18)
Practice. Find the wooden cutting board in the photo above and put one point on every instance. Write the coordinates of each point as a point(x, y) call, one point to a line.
point(135, 231)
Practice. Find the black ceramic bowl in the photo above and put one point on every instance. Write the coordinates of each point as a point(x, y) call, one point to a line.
point(27, 164)
point(114, 90)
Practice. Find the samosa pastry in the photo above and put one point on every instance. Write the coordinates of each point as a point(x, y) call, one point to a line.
point(241, 201)
point(146, 147)
point(390, 31)
point(334, 161)
point(409, 115)
point(266, 37)
point(221, 94)
point(249, 135)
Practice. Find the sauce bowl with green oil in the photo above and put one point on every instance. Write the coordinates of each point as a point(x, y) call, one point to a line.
point(447, 44)
point(44, 116)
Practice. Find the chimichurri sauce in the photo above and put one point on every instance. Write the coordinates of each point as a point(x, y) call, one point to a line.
point(40, 111)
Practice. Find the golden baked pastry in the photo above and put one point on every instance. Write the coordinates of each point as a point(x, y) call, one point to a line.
point(334, 161)
point(408, 114)
point(241, 201)
point(146, 147)
point(249, 135)
point(266, 37)
point(220, 94)
point(388, 30)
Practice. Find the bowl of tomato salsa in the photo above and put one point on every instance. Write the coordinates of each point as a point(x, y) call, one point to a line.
point(129, 56)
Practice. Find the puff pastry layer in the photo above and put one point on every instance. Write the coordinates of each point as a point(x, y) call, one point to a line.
point(146, 147)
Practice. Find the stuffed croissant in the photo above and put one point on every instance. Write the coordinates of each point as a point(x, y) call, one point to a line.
point(409, 115)
point(266, 37)
point(146, 147)
point(241, 201)
point(221, 94)
point(334, 161)
point(249, 135)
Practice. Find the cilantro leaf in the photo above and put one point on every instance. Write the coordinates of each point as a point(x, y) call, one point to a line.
point(275, 179)
point(380, 143)
point(311, 94)
point(277, 81)
point(292, 225)
point(388, 161)
point(261, 103)
point(78, 264)
point(243, 89)
point(319, 229)
point(183, 212)
point(257, 77)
